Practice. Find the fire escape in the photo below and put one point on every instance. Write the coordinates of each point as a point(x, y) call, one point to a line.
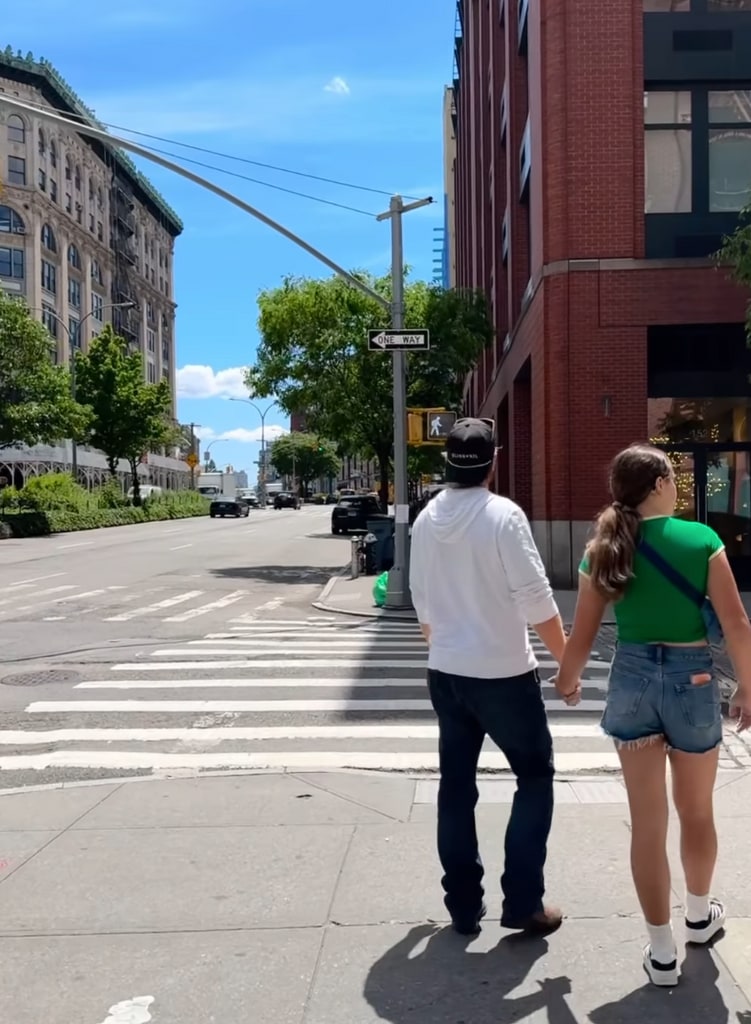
point(125, 321)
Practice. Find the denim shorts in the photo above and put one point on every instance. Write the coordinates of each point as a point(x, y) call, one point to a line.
point(650, 695)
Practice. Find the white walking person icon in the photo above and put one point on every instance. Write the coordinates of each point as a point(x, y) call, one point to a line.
point(435, 426)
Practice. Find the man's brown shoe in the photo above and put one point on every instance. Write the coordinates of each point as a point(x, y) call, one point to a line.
point(543, 922)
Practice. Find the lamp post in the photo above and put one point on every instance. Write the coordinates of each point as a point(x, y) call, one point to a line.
point(262, 462)
point(218, 440)
point(72, 357)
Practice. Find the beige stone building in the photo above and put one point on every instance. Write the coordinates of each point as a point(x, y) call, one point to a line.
point(84, 236)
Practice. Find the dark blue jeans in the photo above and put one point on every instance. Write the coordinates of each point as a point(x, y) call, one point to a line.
point(511, 712)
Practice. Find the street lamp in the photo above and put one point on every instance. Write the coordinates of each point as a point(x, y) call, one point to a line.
point(217, 440)
point(262, 467)
point(72, 357)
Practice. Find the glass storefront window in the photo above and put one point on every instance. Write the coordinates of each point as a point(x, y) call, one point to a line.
point(699, 420)
point(665, 6)
point(667, 151)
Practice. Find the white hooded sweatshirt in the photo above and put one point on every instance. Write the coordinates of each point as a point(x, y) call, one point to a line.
point(477, 580)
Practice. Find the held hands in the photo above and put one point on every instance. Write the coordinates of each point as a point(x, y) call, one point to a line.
point(571, 693)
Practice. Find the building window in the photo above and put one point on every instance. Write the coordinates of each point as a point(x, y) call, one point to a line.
point(151, 340)
point(68, 169)
point(150, 313)
point(666, 6)
point(96, 272)
point(99, 198)
point(729, 5)
point(49, 277)
point(91, 223)
point(667, 152)
point(42, 179)
point(729, 150)
point(74, 293)
point(42, 143)
point(10, 222)
point(79, 213)
point(152, 373)
point(74, 257)
point(49, 319)
point(68, 202)
point(97, 307)
point(53, 190)
point(100, 231)
point(53, 153)
point(16, 129)
point(165, 351)
point(74, 329)
point(48, 238)
point(91, 190)
point(77, 178)
point(16, 170)
point(11, 262)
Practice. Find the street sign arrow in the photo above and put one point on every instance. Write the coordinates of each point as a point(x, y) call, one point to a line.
point(417, 340)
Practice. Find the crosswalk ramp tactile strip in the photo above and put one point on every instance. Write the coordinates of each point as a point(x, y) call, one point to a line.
point(298, 694)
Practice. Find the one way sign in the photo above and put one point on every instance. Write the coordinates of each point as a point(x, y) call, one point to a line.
point(404, 341)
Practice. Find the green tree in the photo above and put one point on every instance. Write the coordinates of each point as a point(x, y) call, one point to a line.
point(313, 357)
point(128, 416)
point(736, 254)
point(304, 457)
point(36, 406)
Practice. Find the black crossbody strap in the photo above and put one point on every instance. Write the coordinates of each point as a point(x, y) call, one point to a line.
point(676, 578)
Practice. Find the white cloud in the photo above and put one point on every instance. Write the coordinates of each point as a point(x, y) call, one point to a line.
point(338, 86)
point(241, 435)
point(195, 381)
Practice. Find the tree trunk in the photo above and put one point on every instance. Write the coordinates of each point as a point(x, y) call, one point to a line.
point(136, 485)
point(112, 466)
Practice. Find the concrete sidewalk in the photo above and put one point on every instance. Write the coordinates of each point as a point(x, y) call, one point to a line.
point(315, 899)
point(346, 596)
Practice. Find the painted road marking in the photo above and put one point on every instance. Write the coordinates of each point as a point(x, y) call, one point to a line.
point(222, 602)
point(313, 760)
point(131, 1011)
point(147, 609)
point(282, 683)
point(36, 579)
point(241, 706)
point(180, 666)
point(41, 593)
point(17, 737)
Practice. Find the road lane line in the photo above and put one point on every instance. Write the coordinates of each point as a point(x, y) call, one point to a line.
point(314, 760)
point(77, 544)
point(415, 731)
point(36, 604)
point(311, 645)
point(283, 683)
point(268, 663)
point(157, 606)
point(181, 546)
point(35, 579)
point(222, 602)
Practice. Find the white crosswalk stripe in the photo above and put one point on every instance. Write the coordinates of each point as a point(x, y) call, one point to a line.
point(313, 693)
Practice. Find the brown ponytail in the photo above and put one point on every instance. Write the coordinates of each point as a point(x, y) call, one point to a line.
point(610, 554)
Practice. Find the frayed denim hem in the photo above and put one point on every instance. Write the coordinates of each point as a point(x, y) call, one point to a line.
point(639, 743)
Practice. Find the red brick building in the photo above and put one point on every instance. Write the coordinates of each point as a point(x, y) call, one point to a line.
point(601, 152)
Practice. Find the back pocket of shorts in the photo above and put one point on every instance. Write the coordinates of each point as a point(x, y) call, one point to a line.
point(625, 693)
point(700, 702)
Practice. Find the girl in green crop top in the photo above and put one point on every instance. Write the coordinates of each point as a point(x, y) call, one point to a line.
point(663, 698)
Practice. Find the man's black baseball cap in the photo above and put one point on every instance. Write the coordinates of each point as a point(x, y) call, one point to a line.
point(470, 450)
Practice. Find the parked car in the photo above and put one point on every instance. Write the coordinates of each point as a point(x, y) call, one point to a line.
point(286, 500)
point(353, 511)
point(224, 506)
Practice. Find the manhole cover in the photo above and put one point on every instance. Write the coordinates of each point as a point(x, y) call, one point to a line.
point(41, 678)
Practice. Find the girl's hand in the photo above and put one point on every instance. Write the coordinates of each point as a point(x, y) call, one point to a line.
point(570, 694)
point(740, 710)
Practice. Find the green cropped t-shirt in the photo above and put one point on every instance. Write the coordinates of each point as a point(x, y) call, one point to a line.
point(653, 610)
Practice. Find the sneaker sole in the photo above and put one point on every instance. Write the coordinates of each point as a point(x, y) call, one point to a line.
point(701, 936)
point(667, 978)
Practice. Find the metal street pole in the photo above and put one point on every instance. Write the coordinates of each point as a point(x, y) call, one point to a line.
point(262, 460)
point(398, 593)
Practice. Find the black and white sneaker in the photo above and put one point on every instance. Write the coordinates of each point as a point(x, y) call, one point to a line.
point(664, 975)
point(699, 933)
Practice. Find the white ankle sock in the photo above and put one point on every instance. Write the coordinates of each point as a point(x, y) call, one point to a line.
point(662, 942)
point(697, 907)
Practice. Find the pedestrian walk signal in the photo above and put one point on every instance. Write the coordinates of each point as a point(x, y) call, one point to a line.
point(438, 425)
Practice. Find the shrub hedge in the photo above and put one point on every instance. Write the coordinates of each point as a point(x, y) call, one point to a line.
point(55, 504)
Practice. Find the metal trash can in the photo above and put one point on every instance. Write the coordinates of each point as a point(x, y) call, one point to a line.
point(370, 551)
point(383, 529)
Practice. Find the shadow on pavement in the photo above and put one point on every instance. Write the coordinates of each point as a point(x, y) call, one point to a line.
point(431, 977)
point(313, 574)
point(445, 983)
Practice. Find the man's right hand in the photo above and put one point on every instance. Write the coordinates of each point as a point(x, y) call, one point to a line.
point(570, 693)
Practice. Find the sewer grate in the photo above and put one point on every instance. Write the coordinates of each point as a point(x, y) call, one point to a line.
point(47, 678)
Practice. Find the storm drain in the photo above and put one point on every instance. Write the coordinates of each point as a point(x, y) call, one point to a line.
point(48, 678)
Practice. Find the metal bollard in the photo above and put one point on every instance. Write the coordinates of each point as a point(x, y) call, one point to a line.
point(355, 569)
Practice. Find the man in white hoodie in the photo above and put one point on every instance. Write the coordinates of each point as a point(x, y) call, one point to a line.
point(477, 584)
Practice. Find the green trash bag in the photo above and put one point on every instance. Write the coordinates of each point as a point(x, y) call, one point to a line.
point(379, 589)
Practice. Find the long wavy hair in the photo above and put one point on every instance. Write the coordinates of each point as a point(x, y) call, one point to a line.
point(634, 473)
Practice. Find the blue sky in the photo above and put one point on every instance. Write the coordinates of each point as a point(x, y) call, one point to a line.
point(346, 90)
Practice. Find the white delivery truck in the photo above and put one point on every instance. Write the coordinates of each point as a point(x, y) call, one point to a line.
point(222, 489)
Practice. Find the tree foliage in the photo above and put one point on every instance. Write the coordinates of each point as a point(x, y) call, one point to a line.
point(36, 406)
point(736, 253)
point(313, 356)
point(128, 416)
point(305, 457)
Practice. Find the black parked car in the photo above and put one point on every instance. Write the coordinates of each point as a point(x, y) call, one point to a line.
point(228, 507)
point(353, 511)
point(286, 500)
